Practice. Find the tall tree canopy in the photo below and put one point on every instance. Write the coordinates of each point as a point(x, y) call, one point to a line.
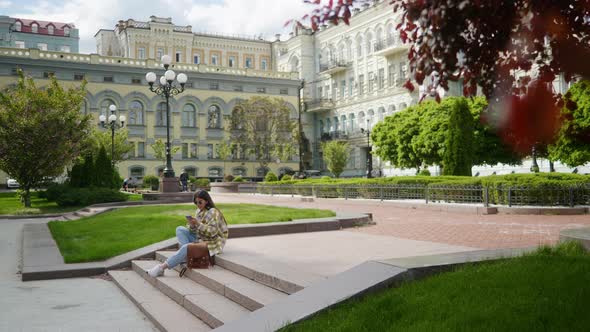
point(102, 138)
point(263, 126)
point(41, 131)
point(335, 155)
point(491, 44)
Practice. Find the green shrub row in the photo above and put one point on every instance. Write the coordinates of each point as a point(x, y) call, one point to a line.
point(65, 195)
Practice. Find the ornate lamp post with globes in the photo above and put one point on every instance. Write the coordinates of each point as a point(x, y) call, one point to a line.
point(113, 125)
point(369, 155)
point(167, 88)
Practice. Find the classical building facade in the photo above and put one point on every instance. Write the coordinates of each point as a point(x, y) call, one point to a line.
point(197, 115)
point(43, 35)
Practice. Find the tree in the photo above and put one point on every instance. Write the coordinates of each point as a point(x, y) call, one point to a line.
point(335, 155)
point(263, 125)
point(572, 146)
point(41, 131)
point(103, 170)
point(159, 148)
point(102, 138)
point(458, 154)
point(224, 151)
point(457, 40)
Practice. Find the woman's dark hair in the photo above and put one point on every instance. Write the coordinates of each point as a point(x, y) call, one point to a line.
point(203, 194)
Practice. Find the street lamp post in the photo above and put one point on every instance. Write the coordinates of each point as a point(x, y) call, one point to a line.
point(369, 156)
point(113, 125)
point(167, 88)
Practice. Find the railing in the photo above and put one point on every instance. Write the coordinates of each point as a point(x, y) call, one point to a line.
point(387, 43)
point(319, 103)
point(333, 64)
point(512, 195)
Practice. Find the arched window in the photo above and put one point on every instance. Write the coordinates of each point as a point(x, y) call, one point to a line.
point(379, 36)
point(137, 172)
point(369, 43)
point(161, 114)
point(336, 124)
point(294, 64)
point(215, 172)
point(321, 127)
point(391, 109)
point(18, 26)
point(402, 106)
point(189, 115)
point(370, 118)
point(239, 171)
point(261, 171)
point(391, 34)
point(213, 117)
point(237, 118)
point(352, 122)
point(341, 52)
point(35, 28)
point(135, 113)
point(329, 127)
point(104, 107)
point(66, 31)
point(344, 124)
point(362, 123)
point(349, 50)
point(359, 47)
point(382, 113)
point(50, 29)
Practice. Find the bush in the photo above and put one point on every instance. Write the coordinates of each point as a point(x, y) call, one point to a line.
point(325, 177)
point(89, 196)
point(151, 181)
point(228, 178)
point(270, 177)
point(239, 179)
point(202, 182)
point(286, 177)
point(424, 172)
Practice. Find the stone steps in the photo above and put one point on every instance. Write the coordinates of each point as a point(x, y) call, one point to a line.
point(166, 314)
point(203, 299)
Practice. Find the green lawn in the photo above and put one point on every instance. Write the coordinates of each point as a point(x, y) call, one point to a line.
point(116, 232)
point(545, 291)
point(11, 205)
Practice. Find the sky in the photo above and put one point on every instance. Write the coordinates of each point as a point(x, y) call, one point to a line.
point(244, 17)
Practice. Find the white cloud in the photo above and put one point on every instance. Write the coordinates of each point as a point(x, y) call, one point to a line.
point(252, 18)
point(5, 4)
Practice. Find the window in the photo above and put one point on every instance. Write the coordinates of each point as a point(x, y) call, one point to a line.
point(136, 172)
point(161, 115)
point(135, 113)
point(215, 172)
point(197, 59)
point(66, 31)
point(178, 56)
point(334, 90)
point(402, 72)
point(248, 62)
point(237, 118)
point(231, 61)
point(19, 44)
point(284, 91)
point(214, 59)
point(50, 29)
point(159, 53)
point(184, 150)
point(18, 26)
point(361, 84)
point(188, 116)
point(193, 152)
point(104, 107)
point(35, 28)
point(210, 151)
point(371, 82)
point(350, 85)
point(264, 64)
point(140, 149)
point(48, 74)
point(213, 116)
point(239, 171)
point(261, 90)
point(42, 46)
point(141, 53)
point(135, 80)
point(108, 79)
point(78, 77)
point(65, 49)
point(381, 78)
point(238, 88)
point(213, 86)
point(391, 74)
point(342, 88)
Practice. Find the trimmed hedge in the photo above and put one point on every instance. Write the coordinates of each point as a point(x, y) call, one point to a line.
point(65, 195)
point(519, 189)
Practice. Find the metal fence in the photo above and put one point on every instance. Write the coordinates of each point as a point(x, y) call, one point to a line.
point(510, 195)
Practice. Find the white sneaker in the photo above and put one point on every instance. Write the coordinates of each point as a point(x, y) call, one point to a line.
point(156, 271)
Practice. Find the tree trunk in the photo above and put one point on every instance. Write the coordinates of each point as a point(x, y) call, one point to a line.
point(551, 167)
point(26, 197)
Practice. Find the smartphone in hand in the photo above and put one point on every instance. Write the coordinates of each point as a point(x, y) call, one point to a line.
point(189, 218)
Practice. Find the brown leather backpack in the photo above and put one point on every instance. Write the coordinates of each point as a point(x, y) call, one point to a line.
point(197, 257)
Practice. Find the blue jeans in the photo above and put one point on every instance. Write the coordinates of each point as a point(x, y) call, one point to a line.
point(184, 186)
point(185, 237)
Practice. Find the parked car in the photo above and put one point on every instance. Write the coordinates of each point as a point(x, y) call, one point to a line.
point(12, 183)
point(313, 174)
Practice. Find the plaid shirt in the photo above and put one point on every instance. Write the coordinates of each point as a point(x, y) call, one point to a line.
point(212, 228)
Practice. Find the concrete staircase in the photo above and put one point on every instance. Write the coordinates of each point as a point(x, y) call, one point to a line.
point(204, 299)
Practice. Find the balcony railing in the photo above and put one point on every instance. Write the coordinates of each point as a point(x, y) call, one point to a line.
point(389, 46)
point(320, 104)
point(333, 66)
point(333, 135)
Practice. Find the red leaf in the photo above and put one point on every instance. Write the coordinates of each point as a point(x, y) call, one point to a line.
point(408, 85)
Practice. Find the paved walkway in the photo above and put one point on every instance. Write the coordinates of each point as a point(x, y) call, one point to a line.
point(80, 304)
point(461, 229)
